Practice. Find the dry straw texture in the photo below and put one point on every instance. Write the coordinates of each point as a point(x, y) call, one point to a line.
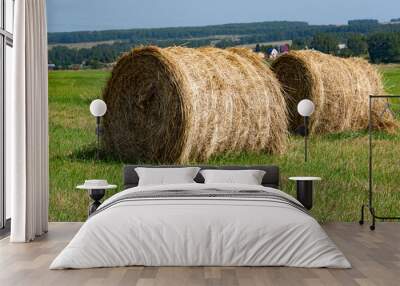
point(182, 105)
point(339, 87)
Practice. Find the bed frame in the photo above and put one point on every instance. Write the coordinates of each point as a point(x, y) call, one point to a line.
point(270, 179)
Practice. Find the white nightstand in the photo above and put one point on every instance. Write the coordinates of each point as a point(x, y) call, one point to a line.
point(96, 190)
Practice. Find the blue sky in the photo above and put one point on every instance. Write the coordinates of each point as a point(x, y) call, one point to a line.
point(77, 15)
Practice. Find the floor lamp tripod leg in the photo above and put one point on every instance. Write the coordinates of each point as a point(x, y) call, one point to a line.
point(372, 226)
point(361, 222)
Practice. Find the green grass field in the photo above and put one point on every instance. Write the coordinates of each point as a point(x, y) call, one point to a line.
point(340, 159)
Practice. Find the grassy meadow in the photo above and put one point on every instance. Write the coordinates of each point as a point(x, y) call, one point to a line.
point(340, 159)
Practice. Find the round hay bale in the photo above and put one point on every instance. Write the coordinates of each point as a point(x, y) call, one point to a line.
point(182, 105)
point(339, 87)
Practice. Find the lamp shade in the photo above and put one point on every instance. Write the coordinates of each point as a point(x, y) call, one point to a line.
point(305, 107)
point(98, 108)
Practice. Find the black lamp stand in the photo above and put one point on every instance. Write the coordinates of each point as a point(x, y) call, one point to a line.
point(99, 132)
point(305, 138)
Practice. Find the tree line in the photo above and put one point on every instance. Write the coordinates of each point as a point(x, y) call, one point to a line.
point(361, 38)
point(378, 47)
point(272, 29)
point(266, 31)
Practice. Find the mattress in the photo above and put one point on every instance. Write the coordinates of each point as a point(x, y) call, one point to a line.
point(201, 225)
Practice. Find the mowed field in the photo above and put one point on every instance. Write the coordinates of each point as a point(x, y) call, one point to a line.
point(340, 159)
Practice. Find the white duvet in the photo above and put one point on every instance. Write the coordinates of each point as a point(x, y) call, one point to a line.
point(202, 232)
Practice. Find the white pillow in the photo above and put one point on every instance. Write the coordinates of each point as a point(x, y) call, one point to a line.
point(248, 177)
point(166, 176)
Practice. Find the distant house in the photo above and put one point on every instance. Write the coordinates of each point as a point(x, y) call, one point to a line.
point(51, 67)
point(342, 46)
point(283, 49)
point(272, 53)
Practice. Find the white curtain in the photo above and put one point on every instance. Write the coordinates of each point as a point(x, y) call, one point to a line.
point(27, 124)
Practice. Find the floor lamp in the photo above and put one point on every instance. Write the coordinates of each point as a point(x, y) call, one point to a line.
point(98, 108)
point(370, 205)
point(306, 109)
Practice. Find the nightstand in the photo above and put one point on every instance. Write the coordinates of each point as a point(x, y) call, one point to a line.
point(96, 190)
point(304, 189)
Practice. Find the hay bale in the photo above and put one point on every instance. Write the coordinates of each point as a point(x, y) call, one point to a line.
point(180, 105)
point(339, 87)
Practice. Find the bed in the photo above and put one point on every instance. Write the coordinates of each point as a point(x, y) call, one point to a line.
point(199, 224)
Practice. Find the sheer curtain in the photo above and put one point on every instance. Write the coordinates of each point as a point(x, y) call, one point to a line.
point(27, 124)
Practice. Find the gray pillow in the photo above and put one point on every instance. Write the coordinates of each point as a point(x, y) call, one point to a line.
point(248, 177)
point(166, 176)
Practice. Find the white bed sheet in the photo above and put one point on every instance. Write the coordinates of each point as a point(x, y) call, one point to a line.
point(200, 232)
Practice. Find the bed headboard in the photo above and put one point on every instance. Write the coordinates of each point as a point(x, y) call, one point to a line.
point(271, 177)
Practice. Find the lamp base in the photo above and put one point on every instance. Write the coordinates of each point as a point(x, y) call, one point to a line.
point(300, 130)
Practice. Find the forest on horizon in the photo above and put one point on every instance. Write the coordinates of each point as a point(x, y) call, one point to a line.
point(370, 38)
